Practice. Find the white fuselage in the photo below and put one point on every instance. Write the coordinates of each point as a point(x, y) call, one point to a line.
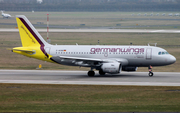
point(6, 15)
point(127, 55)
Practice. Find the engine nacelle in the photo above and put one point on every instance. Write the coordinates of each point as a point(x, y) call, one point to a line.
point(129, 68)
point(111, 68)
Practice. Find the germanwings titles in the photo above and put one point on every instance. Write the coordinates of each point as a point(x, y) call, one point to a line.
point(106, 59)
point(135, 50)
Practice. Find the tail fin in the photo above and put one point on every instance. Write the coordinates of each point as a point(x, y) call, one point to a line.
point(28, 34)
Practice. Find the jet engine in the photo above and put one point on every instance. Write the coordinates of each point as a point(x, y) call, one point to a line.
point(111, 68)
point(129, 68)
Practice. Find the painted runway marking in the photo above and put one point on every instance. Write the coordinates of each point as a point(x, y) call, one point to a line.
point(90, 83)
point(157, 31)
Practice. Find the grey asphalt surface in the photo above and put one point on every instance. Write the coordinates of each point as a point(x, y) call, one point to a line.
point(81, 78)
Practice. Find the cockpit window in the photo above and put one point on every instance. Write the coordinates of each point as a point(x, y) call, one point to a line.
point(162, 53)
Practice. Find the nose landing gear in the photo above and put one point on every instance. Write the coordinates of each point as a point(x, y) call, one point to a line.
point(150, 71)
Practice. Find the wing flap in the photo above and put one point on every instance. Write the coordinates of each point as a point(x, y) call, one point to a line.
point(81, 59)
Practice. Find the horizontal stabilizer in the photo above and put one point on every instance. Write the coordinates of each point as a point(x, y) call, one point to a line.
point(23, 49)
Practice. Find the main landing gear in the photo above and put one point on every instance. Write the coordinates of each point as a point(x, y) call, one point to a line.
point(101, 72)
point(150, 71)
point(91, 73)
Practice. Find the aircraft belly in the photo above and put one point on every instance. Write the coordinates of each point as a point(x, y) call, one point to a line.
point(62, 61)
point(136, 62)
point(146, 62)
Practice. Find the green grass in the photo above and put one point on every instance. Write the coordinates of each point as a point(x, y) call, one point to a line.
point(87, 98)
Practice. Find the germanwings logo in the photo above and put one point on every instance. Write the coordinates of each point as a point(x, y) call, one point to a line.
point(135, 50)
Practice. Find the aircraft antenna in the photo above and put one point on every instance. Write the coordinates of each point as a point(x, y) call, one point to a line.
point(152, 43)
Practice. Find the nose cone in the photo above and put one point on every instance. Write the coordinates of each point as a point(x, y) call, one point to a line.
point(172, 59)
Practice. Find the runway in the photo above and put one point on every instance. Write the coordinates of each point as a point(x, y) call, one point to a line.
point(100, 30)
point(81, 78)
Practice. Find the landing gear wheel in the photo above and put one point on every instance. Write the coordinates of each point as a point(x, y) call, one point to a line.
point(91, 73)
point(101, 72)
point(151, 74)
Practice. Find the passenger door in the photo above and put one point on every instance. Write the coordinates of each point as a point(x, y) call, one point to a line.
point(149, 53)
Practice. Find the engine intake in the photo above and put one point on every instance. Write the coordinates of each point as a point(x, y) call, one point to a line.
point(112, 68)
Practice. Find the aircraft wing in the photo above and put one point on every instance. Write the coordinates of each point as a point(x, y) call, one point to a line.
point(81, 59)
point(86, 61)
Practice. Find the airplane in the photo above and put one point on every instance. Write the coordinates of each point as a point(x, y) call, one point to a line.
point(106, 59)
point(170, 14)
point(151, 14)
point(177, 14)
point(5, 15)
point(139, 14)
point(164, 14)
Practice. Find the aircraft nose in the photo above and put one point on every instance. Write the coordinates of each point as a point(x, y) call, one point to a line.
point(172, 59)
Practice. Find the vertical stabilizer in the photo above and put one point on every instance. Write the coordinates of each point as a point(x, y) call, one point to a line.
point(28, 34)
